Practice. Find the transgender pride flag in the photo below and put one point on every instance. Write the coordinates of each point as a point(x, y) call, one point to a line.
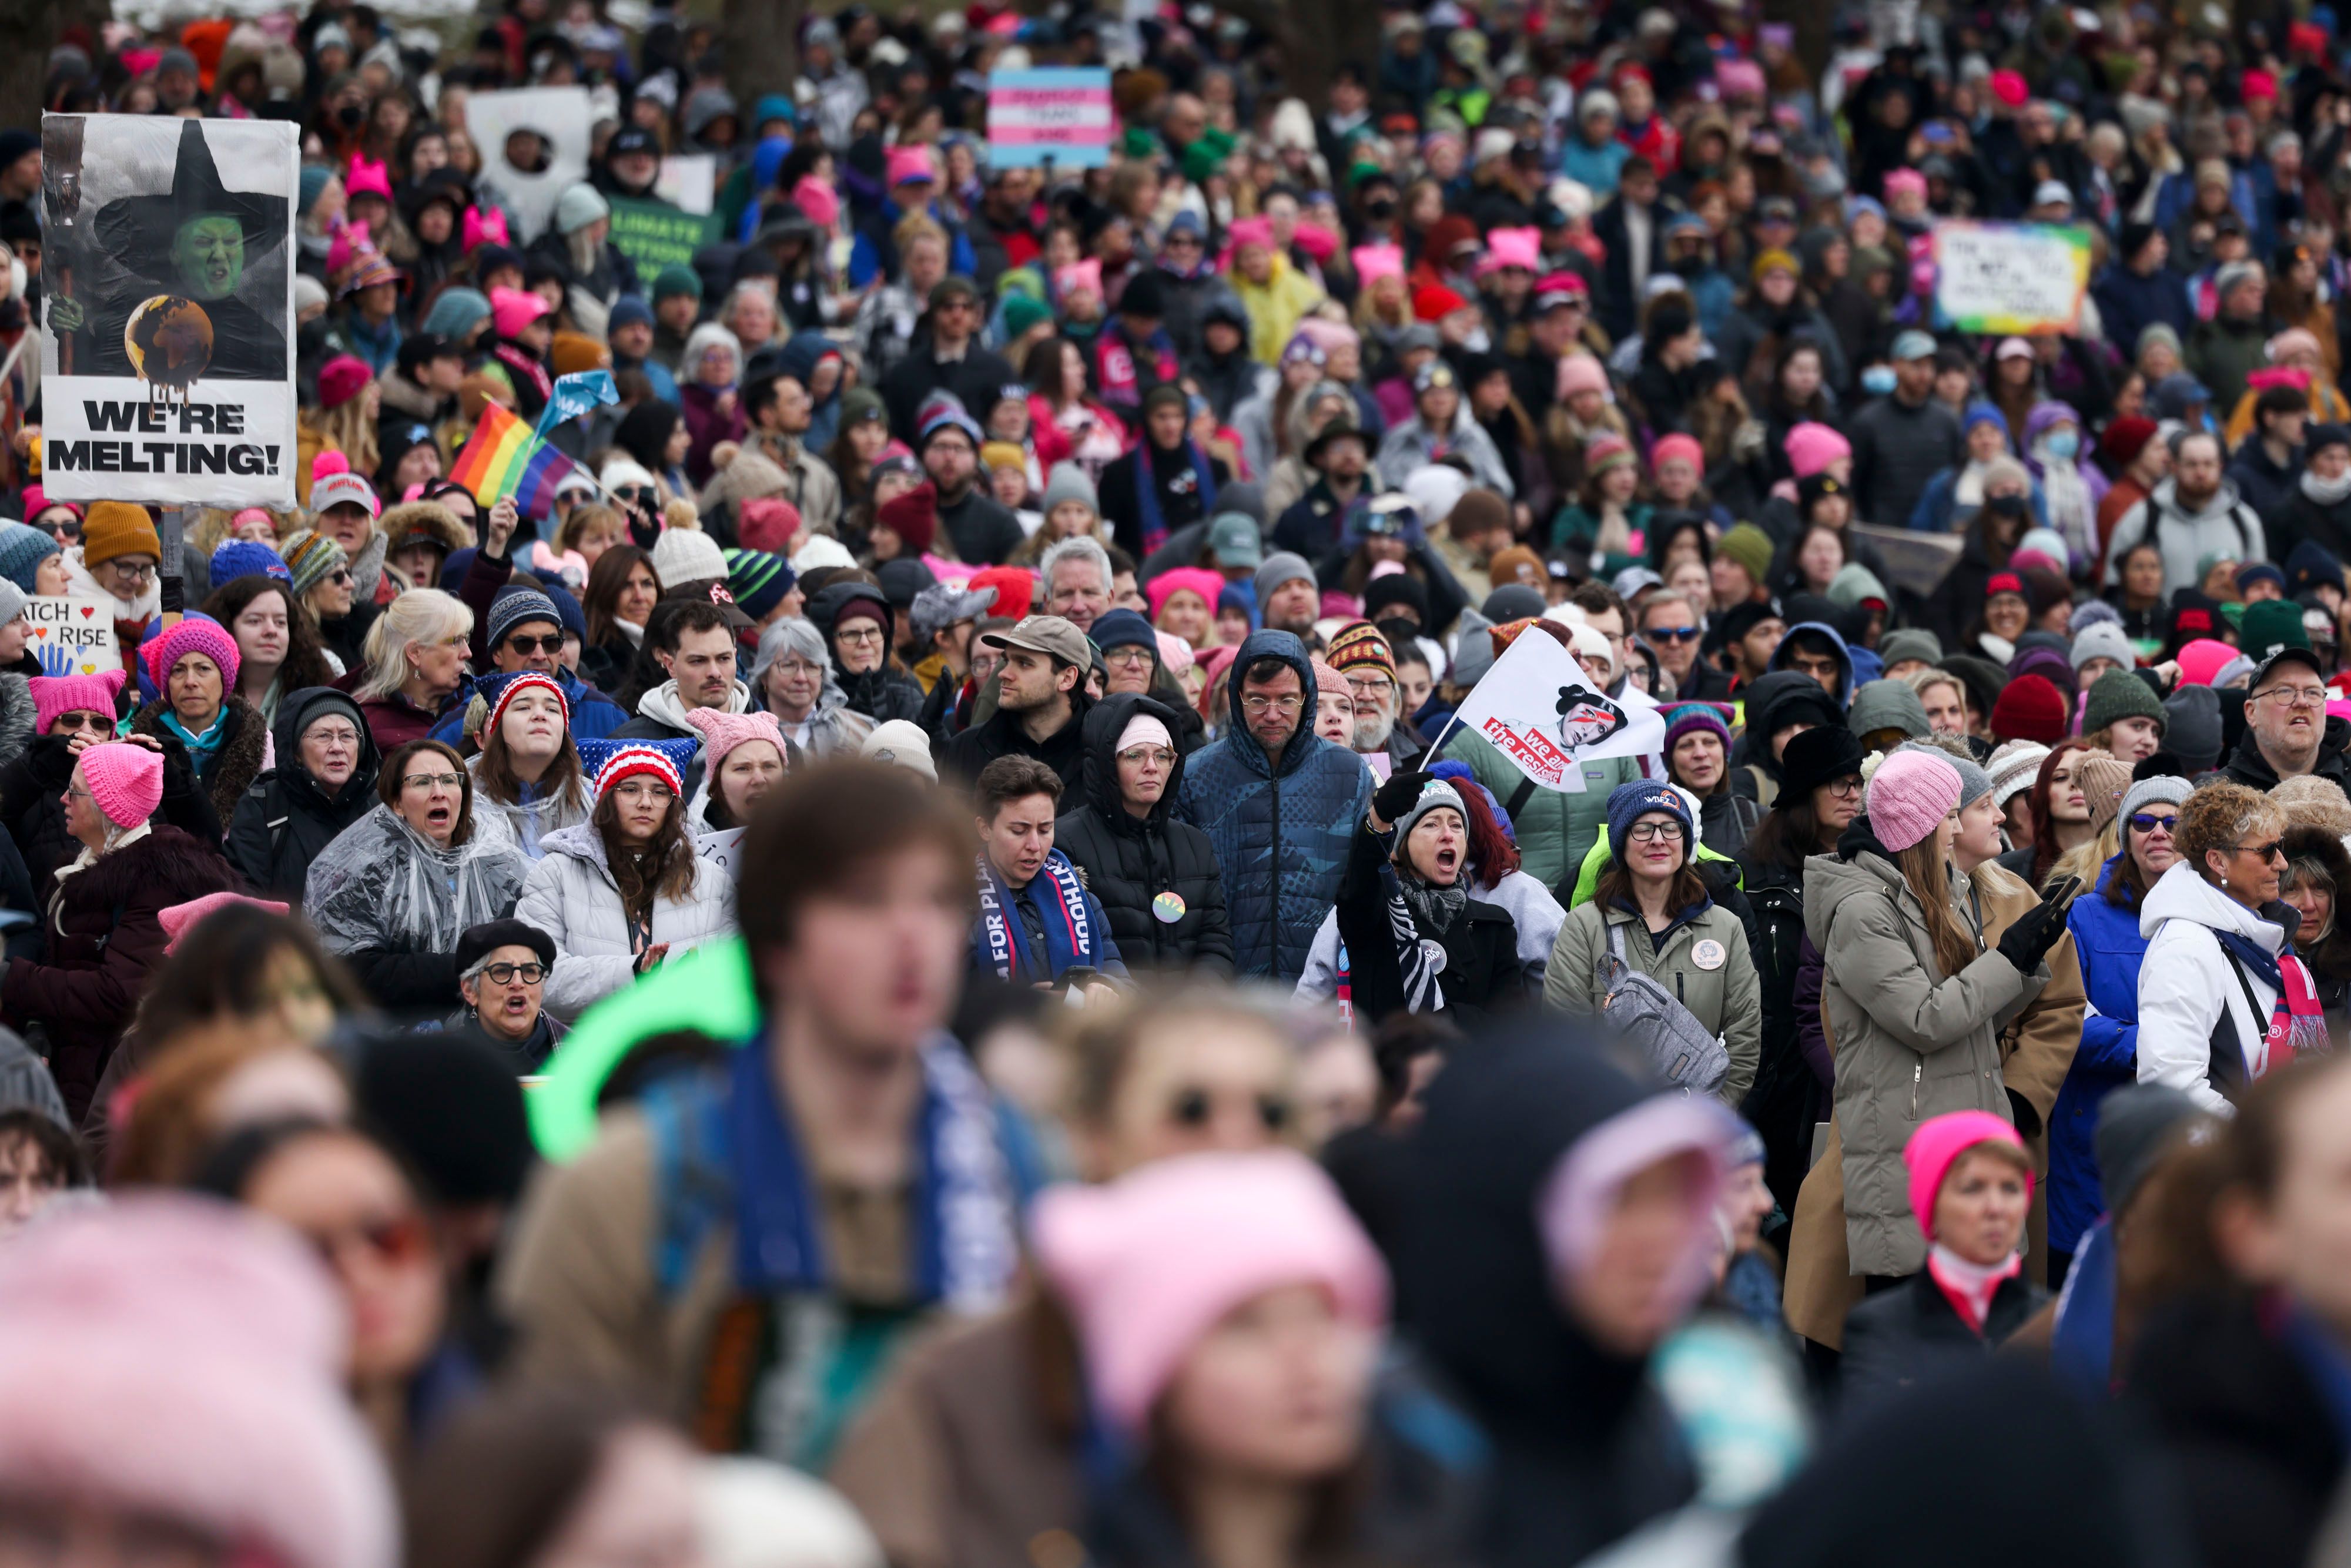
point(1060, 115)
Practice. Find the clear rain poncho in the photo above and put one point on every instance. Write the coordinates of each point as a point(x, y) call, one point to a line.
point(384, 885)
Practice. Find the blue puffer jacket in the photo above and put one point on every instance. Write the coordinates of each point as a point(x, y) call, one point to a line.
point(1282, 832)
point(2106, 939)
point(594, 716)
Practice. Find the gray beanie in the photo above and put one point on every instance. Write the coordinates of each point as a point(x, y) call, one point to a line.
point(2136, 1124)
point(579, 206)
point(26, 1083)
point(2164, 788)
point(2191, 730)
point(1974, 782)
point(1473, 650)
point(2102, 640)
point(1435, 793)
point(1282, 566)
point(1888, 705)
point(1068, 482)
point(1913, 643)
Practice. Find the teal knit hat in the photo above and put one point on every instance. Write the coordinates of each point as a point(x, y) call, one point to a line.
point(676, 278)
point(1021, 313)
point(23, 548)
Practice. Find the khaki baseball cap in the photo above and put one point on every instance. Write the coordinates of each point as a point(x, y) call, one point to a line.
point(1047, 634)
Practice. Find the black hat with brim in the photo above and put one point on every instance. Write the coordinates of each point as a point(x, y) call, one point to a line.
point(141, 225)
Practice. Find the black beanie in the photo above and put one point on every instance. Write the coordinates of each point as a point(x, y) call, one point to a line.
point(450, 1106)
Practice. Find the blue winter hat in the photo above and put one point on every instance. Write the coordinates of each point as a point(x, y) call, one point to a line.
point(774, 106)
point(247, 557)
point(456, 312)
point(23, 548)
point(1123, 629)
point(1627, 802)
point(514, 606)
point(628, 311)
point(1984, 414)
point(567, 610)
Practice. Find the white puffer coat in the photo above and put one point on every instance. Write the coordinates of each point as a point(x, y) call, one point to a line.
point(572, 896)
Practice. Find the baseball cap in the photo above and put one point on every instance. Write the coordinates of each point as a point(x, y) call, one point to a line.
point(938, 607)
point(2287, 655)
point(1048, 634)
point(1234, 536)
point(1913, 344)
point(344, 489)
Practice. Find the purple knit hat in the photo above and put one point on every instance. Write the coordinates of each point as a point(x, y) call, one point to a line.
point(126, 781)
point(1689, 718)
point(1909, 795)
point(196, 635)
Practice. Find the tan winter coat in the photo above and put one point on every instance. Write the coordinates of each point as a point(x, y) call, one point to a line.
point(2036, 1051)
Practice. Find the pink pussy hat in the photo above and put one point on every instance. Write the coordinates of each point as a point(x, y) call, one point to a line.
point(126, 781)
point(181, 918)
point(723, 732)
point(54, 695)
point(1147, 1265)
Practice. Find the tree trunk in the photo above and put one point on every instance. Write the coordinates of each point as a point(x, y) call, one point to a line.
point(1811, 20)
point(761, 39)
point(32, 28)
point(1316, 38)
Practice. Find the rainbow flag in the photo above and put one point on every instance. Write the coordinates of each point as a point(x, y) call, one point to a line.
point(502, 457)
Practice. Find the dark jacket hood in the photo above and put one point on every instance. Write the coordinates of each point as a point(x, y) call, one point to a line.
point(1473, 1281)
point(1104, 723)
point(1763, 700)
point(296, 711)
point(1859, 839)
point(1843, 693)
point(1285, 646)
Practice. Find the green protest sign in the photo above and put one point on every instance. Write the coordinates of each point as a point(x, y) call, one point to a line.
point(654, 235)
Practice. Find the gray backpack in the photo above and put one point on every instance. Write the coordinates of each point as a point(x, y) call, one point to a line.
point(1678, 1047)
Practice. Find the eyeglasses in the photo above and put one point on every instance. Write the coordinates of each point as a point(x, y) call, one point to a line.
point(643, 789)
point(78, 793)
point(2272, 851)
point(550, 644)
point(427, 780)
point(68, 723)
point(2147, 822)
point(799, 667)
point(125, 570)
point(1375, 686)
point(1845, 789)
point(859, 634)
point(2295, 696)
point(1129, 654)
point(508, 974)
point(1194, 1107)
point(1672, 633)
point(396, 1239)
point(1257, 705)
point(1649, 832)
point(1138, 755)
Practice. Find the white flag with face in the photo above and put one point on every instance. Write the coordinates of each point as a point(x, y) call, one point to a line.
point(1541, 708)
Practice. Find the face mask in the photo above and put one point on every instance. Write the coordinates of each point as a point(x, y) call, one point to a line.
point(1380, 208)
point(350, 116)
point(2065, 444)
point(1877, 381)
point(2006, 505)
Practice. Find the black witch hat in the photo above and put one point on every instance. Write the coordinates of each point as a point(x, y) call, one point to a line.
point(132, 226)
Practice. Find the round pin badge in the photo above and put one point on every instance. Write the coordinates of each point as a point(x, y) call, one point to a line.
point(1434, 951)
point(1709, 955)
point(1167, 908)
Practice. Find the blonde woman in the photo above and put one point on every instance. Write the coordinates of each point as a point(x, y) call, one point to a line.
point(415, 658)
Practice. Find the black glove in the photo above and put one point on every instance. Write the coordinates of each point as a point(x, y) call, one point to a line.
point(1394, 798)
point(2027, 942)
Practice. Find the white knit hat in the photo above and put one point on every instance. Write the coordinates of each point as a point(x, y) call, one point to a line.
point(2014, 766)
point(688, 555)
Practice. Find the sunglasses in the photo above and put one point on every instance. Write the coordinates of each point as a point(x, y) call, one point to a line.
point(1672, 633)
point(2272, 851)
point(398, 1240)
point(1194, 1107)
point(2146, 822)
point(68, 723)
point(552, 644)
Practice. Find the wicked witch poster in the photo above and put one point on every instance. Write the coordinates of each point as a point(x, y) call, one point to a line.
point(168, 357)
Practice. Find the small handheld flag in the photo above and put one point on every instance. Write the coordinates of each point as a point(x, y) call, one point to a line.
point(502, 457)
point(574, 395)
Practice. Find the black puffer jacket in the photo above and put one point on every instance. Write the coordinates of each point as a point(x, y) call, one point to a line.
point(32, 808)
point(287, 816)
point(1127, 860)
point(1787, 1098)
point(230, 768)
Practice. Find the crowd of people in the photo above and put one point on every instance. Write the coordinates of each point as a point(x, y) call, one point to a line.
point(1193, 1100)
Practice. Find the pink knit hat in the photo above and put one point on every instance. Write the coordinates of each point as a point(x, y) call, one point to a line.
point(818, 200)
point(1147, 1265)
point(1326, 334)
point(194, 634)
point(1198, 579)
point(1329, 683)
point(723, 732)
point(126, 781)
point(181, 1359)
point(512, 309)
point(180, 918)
point(1812, 447)
point(1678, 445)
point(1373, 262)
point(1175, 654)
point(906, 163)
point(1937, 1145)
point(54, 695)
point(1909, 796)
point(2201, 659)
point(1581, 371)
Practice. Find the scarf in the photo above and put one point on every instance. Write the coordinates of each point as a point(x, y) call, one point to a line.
point(1970, 1286)
point(2072, 511)
point(519, 363)
point(1966, 491)
point(2297, 1023)
point(2326, 492)
point(1070, 927)
point(201, 748)
point(1435, 907)
point(1147, 481)
point(1122, 379)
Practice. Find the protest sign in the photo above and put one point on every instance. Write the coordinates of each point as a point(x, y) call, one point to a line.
point(1060, 116)
point(72, 635)
point(2011, 278)
point(534, 143)
point(1539, 708)
point(168, 365)
point(688, 181)
point(654, 235)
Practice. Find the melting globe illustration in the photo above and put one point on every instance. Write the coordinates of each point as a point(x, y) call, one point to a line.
point(169, 339)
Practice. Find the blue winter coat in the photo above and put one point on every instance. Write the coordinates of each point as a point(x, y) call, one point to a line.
point(594, 716)
point(1280, 833)
point(2107, 941)
point(1938, 506)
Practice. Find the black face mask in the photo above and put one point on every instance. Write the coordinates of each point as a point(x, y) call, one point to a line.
point(1690, 265)
point(2008, 506)
point(351, 116)
point(1380, 208)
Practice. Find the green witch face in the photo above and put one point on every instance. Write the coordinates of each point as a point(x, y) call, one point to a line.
point(209, 252)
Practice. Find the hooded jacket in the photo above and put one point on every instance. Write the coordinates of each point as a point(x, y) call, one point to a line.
point(1281, 829)
point(571, 895)
point(2224, 524)
point(287, 816)
point(2247, 766)
point(1911, 1043)
point(1063, 751)
point(1783, 657)
point(1583, 1448)
point(1128, 862)
point(661, 716)
point(2192, 1006)
point(1780, 697)
point(106, 935)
